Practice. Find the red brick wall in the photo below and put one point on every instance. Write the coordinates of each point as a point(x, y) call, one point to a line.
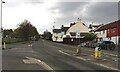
point(118, 27)
point(111, 34)
point(115, 33)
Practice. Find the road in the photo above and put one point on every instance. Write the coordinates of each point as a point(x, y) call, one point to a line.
point(51, 56)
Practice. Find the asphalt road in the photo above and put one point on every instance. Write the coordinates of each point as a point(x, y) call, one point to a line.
point(46, 55)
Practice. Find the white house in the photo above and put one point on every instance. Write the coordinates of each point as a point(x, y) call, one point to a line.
point(57, 35)
point(79, 27)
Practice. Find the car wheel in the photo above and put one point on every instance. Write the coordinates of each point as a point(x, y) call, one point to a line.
point(112, 48)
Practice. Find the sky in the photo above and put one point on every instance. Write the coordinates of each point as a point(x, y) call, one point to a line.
point(43, 13)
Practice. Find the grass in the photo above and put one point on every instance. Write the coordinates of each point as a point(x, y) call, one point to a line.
point(11, 40)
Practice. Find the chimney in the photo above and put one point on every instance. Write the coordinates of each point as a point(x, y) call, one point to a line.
point(62, 26)
point(79, 20)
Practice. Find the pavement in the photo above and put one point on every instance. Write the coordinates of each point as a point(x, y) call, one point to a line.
point(51, 56)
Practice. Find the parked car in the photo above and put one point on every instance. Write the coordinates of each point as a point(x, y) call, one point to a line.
point(83, 44)
point(87, 44)
point(104, 45)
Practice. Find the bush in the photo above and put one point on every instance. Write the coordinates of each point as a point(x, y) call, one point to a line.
point(11, 40)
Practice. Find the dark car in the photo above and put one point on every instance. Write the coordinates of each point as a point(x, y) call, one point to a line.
point(104, 45)
point(88, 44)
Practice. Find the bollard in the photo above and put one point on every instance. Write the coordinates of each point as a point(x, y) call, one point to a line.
point(97, 53)
point(4, 46)
point(78, 51)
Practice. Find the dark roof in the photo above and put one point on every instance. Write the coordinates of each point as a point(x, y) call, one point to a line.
point(64, 29)
point(56, 30)
point(96, 25)
point(71, 24)
point(108, 26)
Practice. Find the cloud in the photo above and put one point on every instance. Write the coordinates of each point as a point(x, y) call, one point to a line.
point(43, 14)
point(103, 12)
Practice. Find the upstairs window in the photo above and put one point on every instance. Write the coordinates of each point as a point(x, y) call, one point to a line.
point(113, 29)
point(108, 30)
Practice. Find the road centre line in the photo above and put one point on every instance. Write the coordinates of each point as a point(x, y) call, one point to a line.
point(81, 58)
point(64, 53)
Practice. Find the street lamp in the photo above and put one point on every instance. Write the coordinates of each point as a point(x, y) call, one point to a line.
point(1, 33)
point(1, 16)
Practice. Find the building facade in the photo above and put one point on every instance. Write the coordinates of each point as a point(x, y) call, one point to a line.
point(57, 35)
point(109, 31)
point(75, 34)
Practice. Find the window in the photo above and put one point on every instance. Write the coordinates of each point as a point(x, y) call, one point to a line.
point(113, 29)
point(108, 30)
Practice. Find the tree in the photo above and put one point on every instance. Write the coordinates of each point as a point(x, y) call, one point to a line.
point(90, 36)
point(25, 30)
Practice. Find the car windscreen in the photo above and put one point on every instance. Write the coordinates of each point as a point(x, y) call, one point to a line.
point(108, 42)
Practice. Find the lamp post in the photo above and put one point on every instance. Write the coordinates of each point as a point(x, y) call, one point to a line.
point(1, 20)
point(1, 33)
point(1, 15)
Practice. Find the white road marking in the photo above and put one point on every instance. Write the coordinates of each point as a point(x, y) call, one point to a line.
point(81, 58)
point(64, 53)
point(45, 65)
point(31, 60)
point(110, 54)
point(106, 66)
point(115, 59)
point(30, 45)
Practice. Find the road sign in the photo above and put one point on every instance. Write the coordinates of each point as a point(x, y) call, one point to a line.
point(99, 49)
point(78, 34)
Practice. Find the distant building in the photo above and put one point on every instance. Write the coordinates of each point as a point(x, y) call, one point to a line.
point(69, 34)
point(57, 35)
point(7, 33)
point(64, 30)
point(78, 27)
point(109, 31)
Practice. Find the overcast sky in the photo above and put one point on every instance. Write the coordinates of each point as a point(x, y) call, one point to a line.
point(43, 14)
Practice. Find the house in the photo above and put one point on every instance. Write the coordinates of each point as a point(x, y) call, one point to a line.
point(64, 29)
point(57, 35)
point(7, 33)
point(109, 31)
point(76, 32)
